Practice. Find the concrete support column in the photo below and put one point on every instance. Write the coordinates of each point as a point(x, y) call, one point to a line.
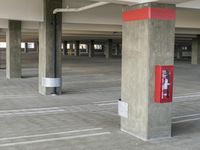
point(86, 48)
point(26, 48)
point(147, 41)
point(91, 48)
point(118, 49)
point(37, 46)
point(71, 48)
point(65, 48)
point(179, 52)
point(46, 52)
point(108, 48)
point(195, 51)
point(77, 47)
point(13, 51)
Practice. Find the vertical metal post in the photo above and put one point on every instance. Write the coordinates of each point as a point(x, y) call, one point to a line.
point(55, 51)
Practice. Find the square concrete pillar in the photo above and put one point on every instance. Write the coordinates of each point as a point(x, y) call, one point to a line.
point(71, 49)
point(65, 48)
point(46, 46)
point(37, 46)
point(13, 51)
point(108, 48)
point(77, 49)
point(118, 49)
point(179, 52)
point(148, 40)
point(26, 48)
point(195, 51)
point(91, 48)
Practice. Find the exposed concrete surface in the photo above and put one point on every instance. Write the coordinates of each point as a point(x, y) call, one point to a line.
point(77, 48)
point(65, 50)
point(108, 48)
point(13, 52)
point(88, 109)
point(195, 51)
point(91, 48)
point(46, 45)
point(146, 43)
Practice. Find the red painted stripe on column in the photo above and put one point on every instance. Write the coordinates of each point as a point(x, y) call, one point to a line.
point(149, 13)
point(137, 14)
point(163, 14)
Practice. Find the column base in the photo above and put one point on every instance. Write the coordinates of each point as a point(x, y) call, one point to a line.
point(145, 138)
point(49, 91)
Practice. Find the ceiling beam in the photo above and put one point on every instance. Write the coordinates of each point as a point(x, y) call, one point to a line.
point(133, 2)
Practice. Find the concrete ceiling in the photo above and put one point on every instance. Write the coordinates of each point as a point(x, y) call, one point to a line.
point(132, 2)
point(195, 4)
point(73, 30)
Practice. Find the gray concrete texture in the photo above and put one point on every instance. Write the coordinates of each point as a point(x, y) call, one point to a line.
point(108, 48)
point(13, 52)
point(77, 48)
point(85, 116)
point(65, 50)
point(195, 51)
point(46, 46)
point(91, 48)
point(146, 43)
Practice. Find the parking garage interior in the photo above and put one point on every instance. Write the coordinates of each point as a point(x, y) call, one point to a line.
point(102, 58)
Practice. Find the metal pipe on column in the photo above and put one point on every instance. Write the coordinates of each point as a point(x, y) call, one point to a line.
point(55, 51)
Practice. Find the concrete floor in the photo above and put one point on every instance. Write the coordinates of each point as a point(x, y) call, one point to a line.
point(85, 116)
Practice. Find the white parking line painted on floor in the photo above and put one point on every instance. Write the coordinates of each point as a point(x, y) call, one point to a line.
point(99, 102)
point(193, 93)
point(107, 104)
point(185, 116)
point(49, 134)
point(186, 96)
point(54, 139)
point(31, 109)
point(17, 96)
point(186, 120)
point(92, 81)
point(32, 112)
point(86, 75)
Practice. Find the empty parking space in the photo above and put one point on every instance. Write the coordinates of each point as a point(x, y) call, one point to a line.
point(85, 116)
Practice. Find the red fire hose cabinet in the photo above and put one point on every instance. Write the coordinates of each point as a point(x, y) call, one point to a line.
point(164, 77)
